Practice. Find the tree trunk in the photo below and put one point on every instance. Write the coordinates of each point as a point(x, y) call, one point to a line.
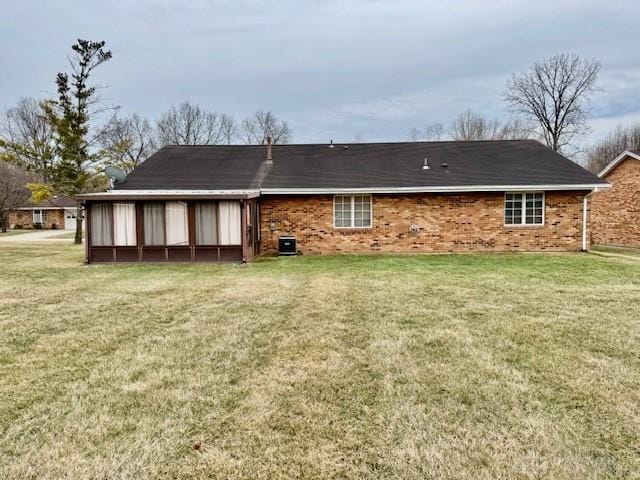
point(3, 223)
point(78, 237)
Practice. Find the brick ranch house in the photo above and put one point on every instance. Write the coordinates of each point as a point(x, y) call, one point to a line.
point(616, 211)
point(213, 203)
point(55, 213)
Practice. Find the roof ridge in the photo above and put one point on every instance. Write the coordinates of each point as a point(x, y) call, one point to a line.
point(406, 142)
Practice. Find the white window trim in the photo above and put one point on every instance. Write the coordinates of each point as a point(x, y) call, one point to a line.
point(41, 217)
point(524, 210)
point(353, 214)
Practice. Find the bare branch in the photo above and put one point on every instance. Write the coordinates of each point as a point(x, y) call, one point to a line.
point(619, 140)
point(257, 128)
point(189, 124)
point(13, 190)
point(555, 94)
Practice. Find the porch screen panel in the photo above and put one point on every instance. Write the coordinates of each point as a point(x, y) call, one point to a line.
point(124, 224)
point(101, 224)
point(229, 226)
point(153, 214)
point(177, 227)
point(206, 223)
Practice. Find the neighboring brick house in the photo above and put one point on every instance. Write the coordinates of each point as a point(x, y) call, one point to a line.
point(55, 213)
point(209, 203)
point(615, 212)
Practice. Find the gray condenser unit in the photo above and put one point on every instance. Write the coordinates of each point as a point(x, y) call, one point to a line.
point(287, 245)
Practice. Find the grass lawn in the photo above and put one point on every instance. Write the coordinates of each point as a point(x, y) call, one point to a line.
point(11, 233)
point(70, 235)
point(408, 367)
point(634, 252)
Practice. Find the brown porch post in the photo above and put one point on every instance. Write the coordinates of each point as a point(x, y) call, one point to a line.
point(191, 222)
point(139, 230)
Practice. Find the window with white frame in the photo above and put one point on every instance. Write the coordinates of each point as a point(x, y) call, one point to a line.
point(352, 211)
point(39, 216)
point(524, 208)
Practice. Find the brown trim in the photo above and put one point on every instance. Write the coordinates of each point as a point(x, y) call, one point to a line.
point(243, 229)
point(87, 240)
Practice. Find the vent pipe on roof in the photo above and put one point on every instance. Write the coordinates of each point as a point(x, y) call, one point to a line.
point(269, 154)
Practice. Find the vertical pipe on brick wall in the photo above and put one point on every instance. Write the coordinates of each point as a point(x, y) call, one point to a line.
point(584, 223)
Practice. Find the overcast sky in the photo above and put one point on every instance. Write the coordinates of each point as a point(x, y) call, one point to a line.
point(333, 69)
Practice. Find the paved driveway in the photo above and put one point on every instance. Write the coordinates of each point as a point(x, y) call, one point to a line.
point(40, 236)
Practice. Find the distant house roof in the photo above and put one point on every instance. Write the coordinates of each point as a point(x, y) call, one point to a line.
point(376, 167)
point(616, 161)
point(53, 202)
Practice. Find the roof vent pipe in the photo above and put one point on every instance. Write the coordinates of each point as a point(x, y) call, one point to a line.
point(425, 166)
point(269, 154)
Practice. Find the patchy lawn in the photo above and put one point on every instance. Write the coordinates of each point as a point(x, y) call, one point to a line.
point(11, 233)
point(412, 367)
point(633, 252)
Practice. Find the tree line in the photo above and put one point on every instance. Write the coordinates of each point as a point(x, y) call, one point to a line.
point(28, 134)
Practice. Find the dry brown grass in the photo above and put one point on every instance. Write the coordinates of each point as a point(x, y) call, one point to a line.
point(470, 366)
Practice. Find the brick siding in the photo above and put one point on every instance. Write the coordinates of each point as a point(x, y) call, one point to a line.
point(616, 211)
point(25, 219)
point(447, 223)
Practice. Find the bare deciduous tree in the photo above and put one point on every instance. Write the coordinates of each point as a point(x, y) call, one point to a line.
point(433, 132)
point(13, 190)
point(26, 137)
point(554, 93)
point(127, 142)
point(228, 129)
point(470, 126)
point(619, 140)
point(515, 129)
point(189, 124)
point(257, 128)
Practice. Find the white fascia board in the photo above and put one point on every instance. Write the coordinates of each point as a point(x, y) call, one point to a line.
point(168, 193)
point(614, 163)
point(452, 189)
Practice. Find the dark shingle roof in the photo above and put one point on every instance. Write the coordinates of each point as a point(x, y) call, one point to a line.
point(54, 202)
point(362, 165)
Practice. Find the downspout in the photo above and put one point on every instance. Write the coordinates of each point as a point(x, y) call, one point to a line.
point(585, 206)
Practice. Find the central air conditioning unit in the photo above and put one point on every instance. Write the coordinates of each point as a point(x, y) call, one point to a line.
point(287, 246)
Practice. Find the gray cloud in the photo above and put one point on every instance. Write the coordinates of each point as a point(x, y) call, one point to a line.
point(333, 69)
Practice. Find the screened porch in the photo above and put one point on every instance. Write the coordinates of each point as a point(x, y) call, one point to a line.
point(172, 230)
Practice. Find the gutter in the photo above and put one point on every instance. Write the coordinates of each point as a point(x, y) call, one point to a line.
point(443, 189)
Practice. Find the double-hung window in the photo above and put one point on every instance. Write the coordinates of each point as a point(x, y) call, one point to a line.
point(352, 211)
point(524, 208)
